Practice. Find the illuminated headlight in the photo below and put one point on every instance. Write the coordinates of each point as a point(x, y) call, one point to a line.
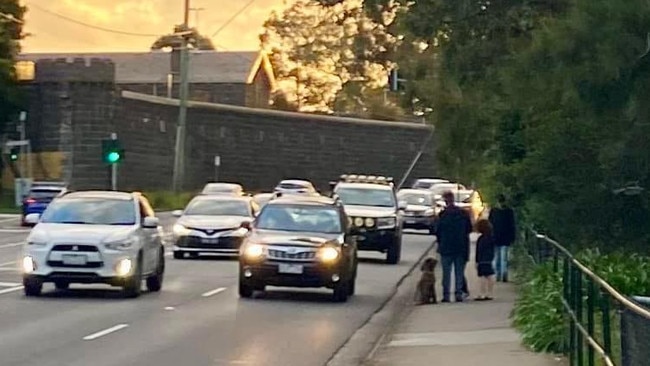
point(386, 222)
point(369, 222)
point(124, 244)
point(124, 267)
point(254, 251)
point(29, 265)
point(328, 254)
point(358, 222)
point(429, 212)
point(180, 230)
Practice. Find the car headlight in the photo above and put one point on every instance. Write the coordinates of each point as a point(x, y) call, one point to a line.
point(429, 212)
point(328, 254)
point(180, 230)
point(237, 232)
point(124, 244)
point(369, 222)
point(29, 265)
point(386, 222)
point(124, 267)
point(358, 222)
point(254, 251)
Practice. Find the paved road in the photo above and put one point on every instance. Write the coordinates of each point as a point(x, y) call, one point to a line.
point(197, 319)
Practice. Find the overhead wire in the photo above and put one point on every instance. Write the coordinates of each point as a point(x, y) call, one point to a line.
point(233, 17)
point(72, 20)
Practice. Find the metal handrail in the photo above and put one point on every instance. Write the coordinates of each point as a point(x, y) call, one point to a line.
point(606, 286)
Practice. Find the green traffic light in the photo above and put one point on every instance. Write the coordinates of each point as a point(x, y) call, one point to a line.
point(14, 157)
point(113, 157)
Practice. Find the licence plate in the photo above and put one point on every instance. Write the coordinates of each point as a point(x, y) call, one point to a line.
point(290, 268)
point(211, 241)
point(410, 221)
point(74, 259)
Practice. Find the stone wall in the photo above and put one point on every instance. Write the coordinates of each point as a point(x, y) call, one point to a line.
point(74, 105)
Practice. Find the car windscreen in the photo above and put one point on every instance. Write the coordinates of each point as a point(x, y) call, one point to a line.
point(422, 184)
point(297, 218)
point(411, 198)
point(210, 207)
point(43, 194)
point(97, 211)
point(292, 186)
point(366, 197)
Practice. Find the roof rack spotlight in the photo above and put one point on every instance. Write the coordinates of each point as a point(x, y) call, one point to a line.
point(372, 178)
point(362, 178)
point(351, 178)
point(343, 177)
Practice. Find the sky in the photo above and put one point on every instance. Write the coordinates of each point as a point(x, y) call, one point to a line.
point(52, 33)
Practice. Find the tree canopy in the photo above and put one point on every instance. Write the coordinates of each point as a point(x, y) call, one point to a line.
point(196, 41)
point(11, 32)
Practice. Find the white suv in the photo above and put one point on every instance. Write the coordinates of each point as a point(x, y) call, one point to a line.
point(95, 237)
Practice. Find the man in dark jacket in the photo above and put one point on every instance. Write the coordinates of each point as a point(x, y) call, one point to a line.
point(454, 227)
point(502, 218)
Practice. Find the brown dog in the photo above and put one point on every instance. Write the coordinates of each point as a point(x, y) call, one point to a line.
point(426, 289)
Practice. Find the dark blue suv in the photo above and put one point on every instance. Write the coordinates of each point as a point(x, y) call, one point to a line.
point(40, 195)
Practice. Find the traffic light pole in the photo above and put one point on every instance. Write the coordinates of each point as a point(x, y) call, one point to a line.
point(114, 168)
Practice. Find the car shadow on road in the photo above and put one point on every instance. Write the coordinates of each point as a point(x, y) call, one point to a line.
point(80, 293)
point(299, 296)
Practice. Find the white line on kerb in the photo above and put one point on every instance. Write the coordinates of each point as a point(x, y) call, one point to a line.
point(8, 290)
point(214, 292)
point(105, 332)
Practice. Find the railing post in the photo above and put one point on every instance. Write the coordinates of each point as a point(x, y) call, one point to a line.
point(571, 301)
point(578, 311)
point(590, 319)
point(607, 333)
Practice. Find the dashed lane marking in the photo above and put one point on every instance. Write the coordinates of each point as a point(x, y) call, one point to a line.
point(9, 284)
point(214, 292)
point(105, 332)
point(11, 245)
point(11, 289)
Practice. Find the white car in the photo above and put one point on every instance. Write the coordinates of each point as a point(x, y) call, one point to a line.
point(296, 186)
point(95, 237)
point(221, 188)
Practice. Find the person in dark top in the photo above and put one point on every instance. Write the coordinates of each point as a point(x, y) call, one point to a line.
point(502, 218)
point(454, 227)
point(484, 258)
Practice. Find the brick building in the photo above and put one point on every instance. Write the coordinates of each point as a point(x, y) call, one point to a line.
point(237, 78)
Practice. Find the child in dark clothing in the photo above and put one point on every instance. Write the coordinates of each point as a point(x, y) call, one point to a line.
point(485, 251)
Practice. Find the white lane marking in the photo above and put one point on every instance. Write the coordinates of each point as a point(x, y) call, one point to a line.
point(214, 292)
point(9, 269)
point(9, 219)
point(19, 231)
point(167, 254)
point(9, 284)
point(8, 290)
point(169, 308)
point(8, 263)
point(11, 245)
point(105, 332)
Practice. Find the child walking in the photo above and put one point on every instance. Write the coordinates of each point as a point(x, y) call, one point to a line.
point(485, 251)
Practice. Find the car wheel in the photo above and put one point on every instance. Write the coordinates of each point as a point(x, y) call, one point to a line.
point(352, 286)
point(155, 281)
point(394, 253)
point(133, 285)
point(179, 255)
point(245, 290)
point(341, 291)
point(60, 285)
point(32, 286)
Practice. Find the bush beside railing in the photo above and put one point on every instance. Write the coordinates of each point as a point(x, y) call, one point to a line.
point(566, 307)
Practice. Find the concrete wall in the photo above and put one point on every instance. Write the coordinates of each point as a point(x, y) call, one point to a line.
point(74, 105)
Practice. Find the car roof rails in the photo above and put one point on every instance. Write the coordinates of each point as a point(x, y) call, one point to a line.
point(363, 178)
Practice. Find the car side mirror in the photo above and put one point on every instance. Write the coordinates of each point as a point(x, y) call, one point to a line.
point(32, 219)
point(150, 222)
point(246, 225)
point(177, 213)
point(402, 205)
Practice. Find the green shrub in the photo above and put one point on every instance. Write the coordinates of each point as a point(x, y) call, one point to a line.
point(538, 312)
point(163, 200)
point(628, 273)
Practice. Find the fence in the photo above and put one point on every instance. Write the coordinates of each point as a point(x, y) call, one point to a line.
point(604, 327)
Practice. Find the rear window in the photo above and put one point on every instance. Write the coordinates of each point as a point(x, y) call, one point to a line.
point(292, 186)
point(422, 185)
point(43, 193)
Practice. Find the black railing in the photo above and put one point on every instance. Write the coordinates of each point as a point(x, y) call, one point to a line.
point(604, 326)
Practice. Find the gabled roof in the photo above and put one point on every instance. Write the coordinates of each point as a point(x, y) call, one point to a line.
point(153, 67)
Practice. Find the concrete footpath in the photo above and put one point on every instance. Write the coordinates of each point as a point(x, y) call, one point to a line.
point(459, 334)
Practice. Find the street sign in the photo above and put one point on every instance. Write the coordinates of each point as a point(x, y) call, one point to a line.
point(17, 143)
point(217, 160)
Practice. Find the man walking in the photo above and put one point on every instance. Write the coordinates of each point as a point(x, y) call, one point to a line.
point(502, 218)
point(454, 227)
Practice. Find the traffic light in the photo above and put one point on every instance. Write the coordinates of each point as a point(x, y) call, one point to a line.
point(13, 154)
point(112, 151)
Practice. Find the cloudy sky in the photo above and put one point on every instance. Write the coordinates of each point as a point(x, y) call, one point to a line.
point(52, 32)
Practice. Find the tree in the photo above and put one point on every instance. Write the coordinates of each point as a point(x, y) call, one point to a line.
point(196, 41)
point(318, 47)
point(11, 32)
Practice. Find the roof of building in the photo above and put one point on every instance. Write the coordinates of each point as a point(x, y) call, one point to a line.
point(154, 66)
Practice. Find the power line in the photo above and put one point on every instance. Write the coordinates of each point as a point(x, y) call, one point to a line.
point(232, 18)
point(31, 5)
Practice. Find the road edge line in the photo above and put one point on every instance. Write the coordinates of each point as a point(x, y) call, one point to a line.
point(357, 348)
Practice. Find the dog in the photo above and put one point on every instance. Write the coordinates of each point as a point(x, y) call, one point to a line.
point(426, 289)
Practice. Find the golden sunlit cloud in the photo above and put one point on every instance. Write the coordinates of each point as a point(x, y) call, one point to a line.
point(52, 33)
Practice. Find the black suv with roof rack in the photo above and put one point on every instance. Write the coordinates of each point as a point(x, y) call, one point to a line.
point(371, 203)
point(299, 241)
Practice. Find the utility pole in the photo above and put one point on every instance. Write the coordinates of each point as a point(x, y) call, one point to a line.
point(179, 158)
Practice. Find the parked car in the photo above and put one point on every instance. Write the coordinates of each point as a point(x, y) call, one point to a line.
point(296, 186)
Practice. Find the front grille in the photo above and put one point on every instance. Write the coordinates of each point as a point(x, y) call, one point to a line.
point(281, 254)
point(75, 248)
point(224, 242)
point(210, 231)
point(87, 265)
